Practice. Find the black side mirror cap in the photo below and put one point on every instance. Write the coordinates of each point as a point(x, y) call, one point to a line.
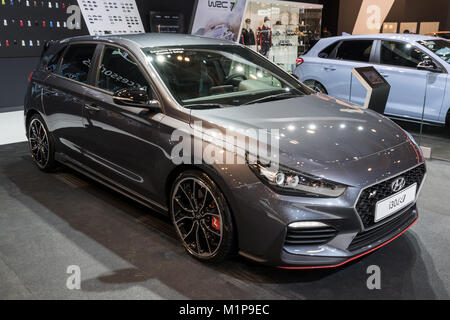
point(136, 95)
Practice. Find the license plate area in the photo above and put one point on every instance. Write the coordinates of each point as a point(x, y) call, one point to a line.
point(387, 207)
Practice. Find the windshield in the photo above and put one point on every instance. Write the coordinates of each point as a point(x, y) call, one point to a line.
point(212, 76)
point(439, 47)
point(445, 35)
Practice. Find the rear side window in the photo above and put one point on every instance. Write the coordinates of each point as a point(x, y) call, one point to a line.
point(77, 62)
point(50, 59)
point(118, 70)
point(400, 54)
point(53, 63)
point(355, 50)
point(326, 53)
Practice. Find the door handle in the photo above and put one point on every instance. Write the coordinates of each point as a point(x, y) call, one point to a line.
point(329, 68)
point(92, 108)
point(385, 75)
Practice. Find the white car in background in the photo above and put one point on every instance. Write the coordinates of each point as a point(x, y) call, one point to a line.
point(417, 68)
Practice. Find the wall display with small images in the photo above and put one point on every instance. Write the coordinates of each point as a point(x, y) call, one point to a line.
point(25, 25)
point(105, 17)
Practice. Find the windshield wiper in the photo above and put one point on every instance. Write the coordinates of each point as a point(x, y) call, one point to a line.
point(201, 106)
point(271, 97)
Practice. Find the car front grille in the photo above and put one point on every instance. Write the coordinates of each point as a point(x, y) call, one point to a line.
point(371, 195)
point(310, 236)
point(399, 223)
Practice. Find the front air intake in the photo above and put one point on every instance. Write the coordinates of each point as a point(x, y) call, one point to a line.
point(309, 236)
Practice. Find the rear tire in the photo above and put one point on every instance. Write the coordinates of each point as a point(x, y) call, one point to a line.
point(447, 120)
point(201, 217)
point(316, 86)
point(40, 142)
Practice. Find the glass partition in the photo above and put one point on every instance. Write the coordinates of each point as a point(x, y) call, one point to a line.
point(282, 30)
point(429, 83)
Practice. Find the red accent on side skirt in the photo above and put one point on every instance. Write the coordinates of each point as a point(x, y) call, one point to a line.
point(354, 258)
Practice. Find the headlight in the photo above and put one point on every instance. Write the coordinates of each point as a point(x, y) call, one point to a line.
point(287, 181)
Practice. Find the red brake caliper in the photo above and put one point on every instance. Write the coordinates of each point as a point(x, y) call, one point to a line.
point(215, 223)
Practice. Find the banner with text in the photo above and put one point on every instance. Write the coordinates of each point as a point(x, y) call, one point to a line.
point(219, 19)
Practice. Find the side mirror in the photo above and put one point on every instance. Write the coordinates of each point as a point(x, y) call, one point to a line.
point(428, 65)
point(135, 97)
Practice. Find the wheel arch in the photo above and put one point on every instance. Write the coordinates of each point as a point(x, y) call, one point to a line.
point(447, 118)
point(311, 79)
point(29, 114)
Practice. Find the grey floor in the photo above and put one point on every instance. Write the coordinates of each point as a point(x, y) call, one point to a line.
point(51, 221)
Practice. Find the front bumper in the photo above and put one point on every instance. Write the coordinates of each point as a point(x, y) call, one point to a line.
point(379, 237)
point(264, 234)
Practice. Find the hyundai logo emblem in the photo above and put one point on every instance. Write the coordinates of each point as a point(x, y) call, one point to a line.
point(398, 184)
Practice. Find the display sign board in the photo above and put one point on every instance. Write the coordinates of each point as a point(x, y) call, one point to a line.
point(371, 16)
point(219, 19)
point(429, 27)
point(166, 22)
point(104, 17)
point(411, 27)
point(25, 25)
point(390, 27)
point(377, 88)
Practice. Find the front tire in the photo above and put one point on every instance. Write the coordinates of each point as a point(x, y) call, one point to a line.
point(316, 86)
point(447, 120)
point(201, 217)
point(41, 144)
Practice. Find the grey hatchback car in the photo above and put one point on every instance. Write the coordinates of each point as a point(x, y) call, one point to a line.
point(339, 182)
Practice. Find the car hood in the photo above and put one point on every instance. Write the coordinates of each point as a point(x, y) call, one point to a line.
point(323, 136)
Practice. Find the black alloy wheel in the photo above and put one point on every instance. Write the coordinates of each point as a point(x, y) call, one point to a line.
point(201, 217)
point(41, 144)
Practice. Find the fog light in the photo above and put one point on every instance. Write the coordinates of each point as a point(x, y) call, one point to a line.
point(307, 224)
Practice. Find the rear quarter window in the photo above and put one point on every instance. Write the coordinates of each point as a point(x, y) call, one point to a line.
point(50, 59)
point(76, 62)
point(326, 53)
point(53, 63)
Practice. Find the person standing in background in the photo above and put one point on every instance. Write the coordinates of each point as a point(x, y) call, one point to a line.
point(326, 33)
point(247, 34)
point(264, 37)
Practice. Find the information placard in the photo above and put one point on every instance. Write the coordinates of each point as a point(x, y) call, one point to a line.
point(377, 88)
point(105, 17)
